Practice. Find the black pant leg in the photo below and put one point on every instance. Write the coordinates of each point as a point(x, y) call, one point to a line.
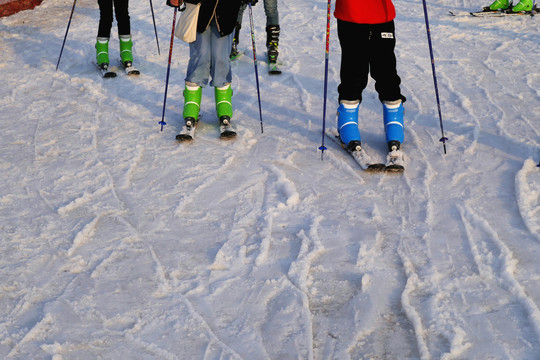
point(105, 18)
point(354, 41)
point(383, 62)
point(121, 9)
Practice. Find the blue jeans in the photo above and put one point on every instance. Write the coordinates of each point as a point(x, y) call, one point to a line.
point(209, 57)
point(270, 9)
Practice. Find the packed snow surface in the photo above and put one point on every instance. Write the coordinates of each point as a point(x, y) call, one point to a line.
point(119, 243)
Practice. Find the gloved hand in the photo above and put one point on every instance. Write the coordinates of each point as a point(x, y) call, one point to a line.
point(252, 2)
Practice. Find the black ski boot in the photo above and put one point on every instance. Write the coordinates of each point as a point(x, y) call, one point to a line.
point(272, 41)
point(236, 40)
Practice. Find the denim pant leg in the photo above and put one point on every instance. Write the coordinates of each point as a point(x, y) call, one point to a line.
point(220, 70)
point(209, 57)
point(271, 11)
point(198, 70)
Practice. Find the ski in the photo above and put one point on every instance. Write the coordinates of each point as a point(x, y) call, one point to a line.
point(130, 69)
point(395, 161)
point(188, 130)
point(226, 130)
point(359, 154)
point(273, 69)
point(186, 134)
point(226, 133)
point(487, 12)
point(105, 71)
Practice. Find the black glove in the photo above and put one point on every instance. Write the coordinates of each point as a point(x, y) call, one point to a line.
point(246, 2)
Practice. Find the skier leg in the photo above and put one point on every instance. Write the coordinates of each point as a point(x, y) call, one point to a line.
point(220, 66)
point(105, 18)
point(387, 81)
point(354, 70)
point(121, 11)
point(383, 62)
point(200, 59)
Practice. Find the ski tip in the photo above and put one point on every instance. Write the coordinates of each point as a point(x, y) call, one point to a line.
point(227, 135)
point(183, 138)
point(395, 168)
point(376, 168)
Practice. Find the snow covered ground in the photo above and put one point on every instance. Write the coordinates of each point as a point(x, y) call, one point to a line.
point(117, 242)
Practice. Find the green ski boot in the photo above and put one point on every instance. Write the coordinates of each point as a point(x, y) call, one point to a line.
point(192, 104)
point(224, 110)
point(523, 5)
point(102, 52)
point(126, 54)
point(499, 5)
point(126, 45)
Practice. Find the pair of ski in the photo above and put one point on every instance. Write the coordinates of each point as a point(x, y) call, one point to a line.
point(226, 131)
point(128, 67)
point(487, 12)
point(273, 67)
point(395, 161)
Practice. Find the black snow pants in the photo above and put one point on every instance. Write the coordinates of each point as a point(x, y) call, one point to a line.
point(106, 17)
point(368, 49)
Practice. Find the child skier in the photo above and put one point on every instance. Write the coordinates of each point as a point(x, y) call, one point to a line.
point(209, 57)
point(523, 5)
point(366, 35)
point(272, 33)
point(124, 34)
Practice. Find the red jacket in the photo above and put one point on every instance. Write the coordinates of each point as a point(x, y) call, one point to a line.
point(365, 11)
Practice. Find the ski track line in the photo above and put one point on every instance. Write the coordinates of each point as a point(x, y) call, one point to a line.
point(496, 263)
point(234, 254)
point(180, 208)
point(413, 253)
point(527, 187)
point(165, 288)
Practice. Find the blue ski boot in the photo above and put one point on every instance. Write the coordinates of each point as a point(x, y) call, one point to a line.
point(348, 124)
point(393, 123)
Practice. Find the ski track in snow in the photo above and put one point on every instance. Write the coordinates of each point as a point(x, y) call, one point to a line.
point(121, 243)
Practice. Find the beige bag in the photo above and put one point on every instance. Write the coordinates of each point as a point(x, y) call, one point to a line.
point(186, 29)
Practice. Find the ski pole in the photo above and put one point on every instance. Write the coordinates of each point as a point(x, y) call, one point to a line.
point(255, 64)
point(443, 139)
point(162, 122)
point(65, 36)
point(322, 147)
point(155, 30)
